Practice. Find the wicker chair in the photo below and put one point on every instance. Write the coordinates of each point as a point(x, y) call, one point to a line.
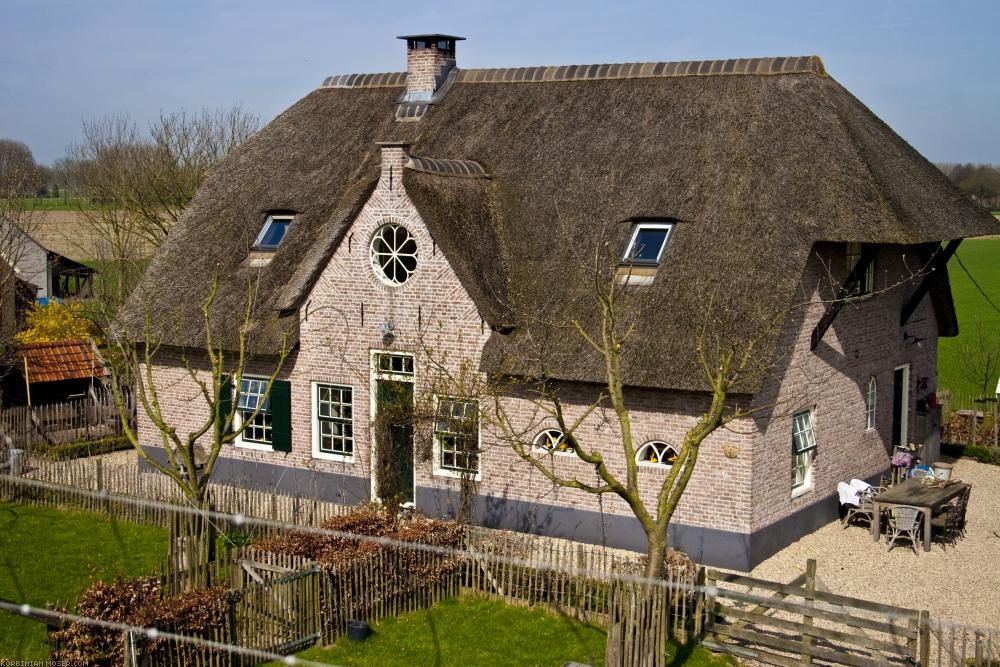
point(865, 509)
point(949, 525)
point(905, 522)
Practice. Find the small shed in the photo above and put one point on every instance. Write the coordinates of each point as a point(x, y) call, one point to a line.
point(61, 370)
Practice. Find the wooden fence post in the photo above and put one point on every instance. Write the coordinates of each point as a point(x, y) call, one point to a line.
point(699, 604)
point(925, 638)
point(809, 601)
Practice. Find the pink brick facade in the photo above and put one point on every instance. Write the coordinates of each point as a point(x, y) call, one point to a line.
point(343, 320)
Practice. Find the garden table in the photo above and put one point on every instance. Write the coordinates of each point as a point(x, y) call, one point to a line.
point(915, 493)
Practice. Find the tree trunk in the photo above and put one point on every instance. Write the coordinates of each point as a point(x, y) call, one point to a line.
point(656, 553)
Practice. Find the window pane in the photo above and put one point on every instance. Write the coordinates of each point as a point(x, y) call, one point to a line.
point(647, 245)
point(333, 413)
point(273, 234)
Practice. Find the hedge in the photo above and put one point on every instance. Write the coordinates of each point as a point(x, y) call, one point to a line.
point(80, 448)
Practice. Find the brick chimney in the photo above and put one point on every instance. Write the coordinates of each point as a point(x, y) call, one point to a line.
point(429, 58)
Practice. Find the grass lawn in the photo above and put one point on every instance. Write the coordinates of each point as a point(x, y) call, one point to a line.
point(982, 258)
point(57, 204)
point(48, 555)
point(473, 632)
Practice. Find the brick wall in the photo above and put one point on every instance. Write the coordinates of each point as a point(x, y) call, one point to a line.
point(425, 69)
point(864, 340)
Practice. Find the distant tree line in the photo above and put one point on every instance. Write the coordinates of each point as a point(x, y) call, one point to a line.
point(980, 181)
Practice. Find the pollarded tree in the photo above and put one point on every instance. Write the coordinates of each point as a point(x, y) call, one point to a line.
point(191, 456)
point(725, 360)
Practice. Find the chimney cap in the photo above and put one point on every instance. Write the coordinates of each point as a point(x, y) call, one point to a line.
point(443, 42)
point(431, 37)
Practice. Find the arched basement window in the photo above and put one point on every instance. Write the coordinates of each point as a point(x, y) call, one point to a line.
point(657, 452)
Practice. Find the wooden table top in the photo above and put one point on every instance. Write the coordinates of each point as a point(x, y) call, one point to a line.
point(915, 492)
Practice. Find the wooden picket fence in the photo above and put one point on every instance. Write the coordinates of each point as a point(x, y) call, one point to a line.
point(954, 645)
point(282, 603)
point(84, 418)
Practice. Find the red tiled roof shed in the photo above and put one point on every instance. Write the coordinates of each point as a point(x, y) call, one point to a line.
point(62, 360)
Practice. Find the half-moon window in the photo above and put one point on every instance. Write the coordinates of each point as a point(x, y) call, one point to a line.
point(657, 452)
point(394, 254)
point(551, 440)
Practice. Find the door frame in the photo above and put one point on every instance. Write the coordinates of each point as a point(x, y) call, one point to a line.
point(904, 406)
point(374, 377)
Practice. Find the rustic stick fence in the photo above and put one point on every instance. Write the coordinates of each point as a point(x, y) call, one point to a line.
point(85, 418)
point(281, 602)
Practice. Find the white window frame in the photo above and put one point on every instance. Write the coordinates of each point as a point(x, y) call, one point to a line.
point(271, 218)
point(866, 284)
point(808, 478)
point(316, 451)
point(535, 447)
point(238, 419)
point(377, 267)
point(439, 469)
point(627, 257)
point(659, 446)
point(871, 396)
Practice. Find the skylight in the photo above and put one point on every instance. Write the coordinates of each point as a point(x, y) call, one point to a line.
point(647, 243)
point(273, 233)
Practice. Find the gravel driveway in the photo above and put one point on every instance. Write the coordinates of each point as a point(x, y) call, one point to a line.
point(959, 583)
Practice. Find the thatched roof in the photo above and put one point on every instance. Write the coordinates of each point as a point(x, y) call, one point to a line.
point(757, 160)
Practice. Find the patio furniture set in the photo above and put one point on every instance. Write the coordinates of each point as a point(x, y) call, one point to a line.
point(916, 509)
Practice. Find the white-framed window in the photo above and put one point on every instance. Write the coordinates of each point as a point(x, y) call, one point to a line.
point(333, 421)
point(256, 432)
point(551, 440)
point(647, 243)
point(803, 452)
point(273, 232)
point(658, 453)
point(393, 366)
point(867, 282)
point(393, 254)
point(456, 435)
point(870, 404)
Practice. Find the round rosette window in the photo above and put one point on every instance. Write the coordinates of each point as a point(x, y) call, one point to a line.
point(394, 254)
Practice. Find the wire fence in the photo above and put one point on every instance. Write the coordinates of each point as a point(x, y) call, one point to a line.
point(278, 602)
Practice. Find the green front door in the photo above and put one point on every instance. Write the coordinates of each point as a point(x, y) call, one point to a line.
point(394, 441)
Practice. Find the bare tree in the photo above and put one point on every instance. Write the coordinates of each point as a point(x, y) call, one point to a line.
point(191, 457)
point(136, 185)
point(18, 176)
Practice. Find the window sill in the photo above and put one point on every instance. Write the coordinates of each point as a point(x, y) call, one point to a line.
point(260, 447)
point(654, 466)
point(552, 452)
point(455, 474)
point(801, 491)
point(330, 456)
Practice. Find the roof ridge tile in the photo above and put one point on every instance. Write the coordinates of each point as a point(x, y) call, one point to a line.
point(598, 71)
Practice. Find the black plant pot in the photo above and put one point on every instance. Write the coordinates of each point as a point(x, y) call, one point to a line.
point(358, 630)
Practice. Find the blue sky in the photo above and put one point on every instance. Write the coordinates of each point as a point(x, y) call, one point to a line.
point(929, 69)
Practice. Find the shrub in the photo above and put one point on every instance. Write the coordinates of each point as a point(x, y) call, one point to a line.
point(80, 448)
point(55, 321)
point(977, 452)
point(368, 521)
point(138, 602)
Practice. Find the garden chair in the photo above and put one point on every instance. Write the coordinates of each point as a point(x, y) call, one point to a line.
point(904, 522)
point(865, 510)
point(950, 523)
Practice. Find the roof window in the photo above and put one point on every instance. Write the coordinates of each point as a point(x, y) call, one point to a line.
point(273, 233)
point(647, 243)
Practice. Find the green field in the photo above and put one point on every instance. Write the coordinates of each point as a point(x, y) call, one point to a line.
point(56, 204)
point(47, 555)
point(982, 258)
point(482, 633)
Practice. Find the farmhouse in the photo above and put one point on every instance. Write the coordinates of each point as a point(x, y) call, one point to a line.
point(388, 226)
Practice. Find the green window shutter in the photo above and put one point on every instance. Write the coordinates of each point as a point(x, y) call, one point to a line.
point(225, 405)
point(281, 416)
